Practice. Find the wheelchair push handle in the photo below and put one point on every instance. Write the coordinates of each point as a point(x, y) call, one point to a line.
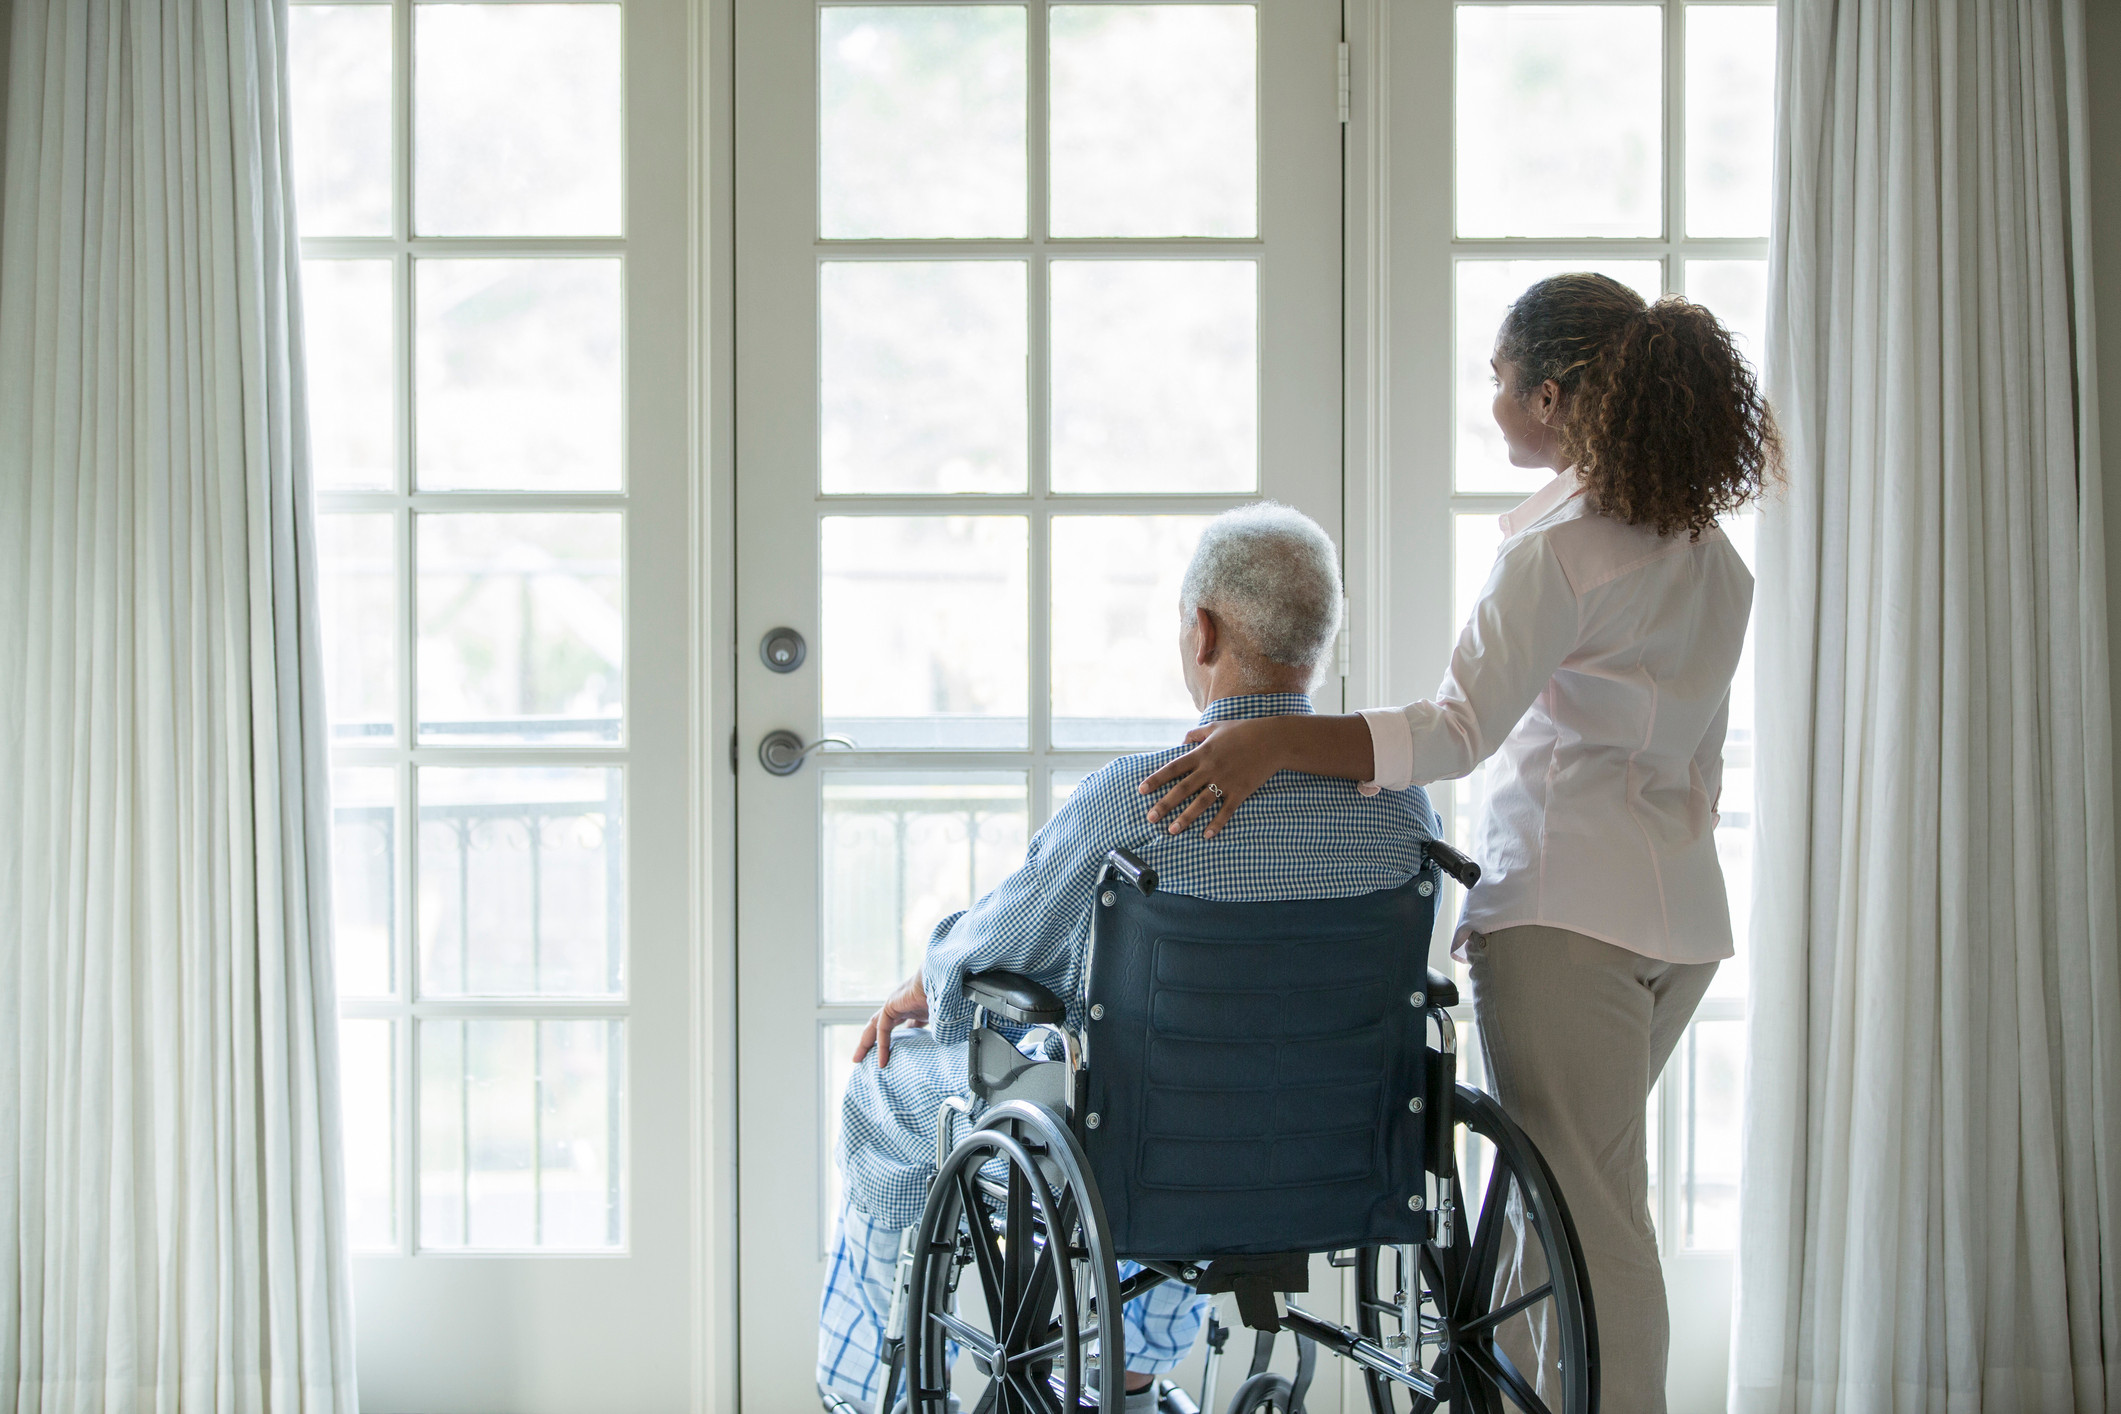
point(1129, 866)
point(1457, 865)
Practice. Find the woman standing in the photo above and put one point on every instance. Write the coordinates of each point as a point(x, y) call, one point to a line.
point(1597, 666)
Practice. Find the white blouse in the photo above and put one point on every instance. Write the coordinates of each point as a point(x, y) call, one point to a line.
point(1597, 669)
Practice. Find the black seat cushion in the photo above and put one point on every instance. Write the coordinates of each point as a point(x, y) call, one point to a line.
point(1250, 1067)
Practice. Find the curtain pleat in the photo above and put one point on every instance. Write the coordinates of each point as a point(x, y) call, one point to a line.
point(1931, 1200)
point(171, 1228)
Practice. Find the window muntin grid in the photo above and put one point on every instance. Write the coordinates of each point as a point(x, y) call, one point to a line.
point(534, 1003)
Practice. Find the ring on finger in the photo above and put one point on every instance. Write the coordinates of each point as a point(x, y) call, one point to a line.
point(1216, 791)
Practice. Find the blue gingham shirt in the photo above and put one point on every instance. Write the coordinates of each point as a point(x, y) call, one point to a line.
point(1299, 836)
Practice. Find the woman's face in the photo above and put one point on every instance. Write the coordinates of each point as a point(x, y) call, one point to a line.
point(1528, 418)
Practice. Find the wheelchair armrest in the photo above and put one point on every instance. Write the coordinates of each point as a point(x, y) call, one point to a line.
point(1443, 991)
point(1015, 996)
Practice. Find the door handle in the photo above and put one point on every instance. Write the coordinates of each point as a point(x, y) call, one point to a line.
point(782, 752)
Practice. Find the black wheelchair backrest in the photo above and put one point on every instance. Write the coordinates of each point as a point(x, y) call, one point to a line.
point(1250, 1067)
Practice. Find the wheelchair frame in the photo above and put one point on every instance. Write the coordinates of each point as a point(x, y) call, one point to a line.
point(1031, 1130)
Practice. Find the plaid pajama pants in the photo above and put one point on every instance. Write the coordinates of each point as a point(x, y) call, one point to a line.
point(1161, 1324)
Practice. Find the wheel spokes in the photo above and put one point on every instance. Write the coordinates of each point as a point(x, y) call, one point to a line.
point(984, 1256)
point(1023, 1266)
point(1500, 1314)
point(983, 1346)
point(1031, 1311)
point(1016, 1222)
point(1033, 1393)
point(1496, 1368)
point(1487, 1243)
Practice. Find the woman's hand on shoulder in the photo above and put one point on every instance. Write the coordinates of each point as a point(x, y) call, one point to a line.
point(1229, 761)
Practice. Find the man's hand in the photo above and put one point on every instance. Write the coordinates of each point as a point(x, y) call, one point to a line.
point(908, 1006)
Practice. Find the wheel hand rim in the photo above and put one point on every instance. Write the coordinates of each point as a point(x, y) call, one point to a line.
point(1021, 1277)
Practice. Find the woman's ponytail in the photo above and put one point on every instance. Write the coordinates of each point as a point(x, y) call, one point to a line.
point(1663, 420)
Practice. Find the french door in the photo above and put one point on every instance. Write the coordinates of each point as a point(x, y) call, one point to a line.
point(1025, 292)
point(494, 277)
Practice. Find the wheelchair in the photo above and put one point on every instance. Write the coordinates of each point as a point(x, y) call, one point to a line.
point(1249, 1084)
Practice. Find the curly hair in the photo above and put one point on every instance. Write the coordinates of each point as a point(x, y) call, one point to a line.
point(1662, 419)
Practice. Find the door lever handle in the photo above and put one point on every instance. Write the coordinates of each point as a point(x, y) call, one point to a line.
point(782, 752)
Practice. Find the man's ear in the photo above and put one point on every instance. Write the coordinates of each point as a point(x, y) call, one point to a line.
point(1205, 637)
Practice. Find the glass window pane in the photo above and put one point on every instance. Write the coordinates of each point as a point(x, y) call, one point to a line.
point(1654, 1129)
point(1155, 375)
point(522, 889)
point(518, 371)
point(350, 360)
point(368, 1069)
point(522, 634)
point(925, 621)
point(902, 851)
point(1736, 291)
point(516, 120)
point(520, 1142)
point(835, 1045)
point(1486, 289)
point(1713, 1060)
point(922, 374)
point(364, 872)
point(338, 82)
point(1560, 120)
point(921, 121)
point(1155, 120)
point(1730, 119)
point(358, 598)
point(1117, 680)
point(1475, 539)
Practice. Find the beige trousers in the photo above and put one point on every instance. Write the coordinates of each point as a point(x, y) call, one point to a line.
point(1575, 1032)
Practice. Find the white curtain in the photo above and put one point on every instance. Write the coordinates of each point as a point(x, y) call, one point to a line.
point(170, 1213)
point(1932, 1181)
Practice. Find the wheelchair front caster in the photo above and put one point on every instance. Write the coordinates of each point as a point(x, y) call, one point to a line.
point(1264, 1394)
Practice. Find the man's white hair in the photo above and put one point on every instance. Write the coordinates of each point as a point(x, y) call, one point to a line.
point(1271, 577)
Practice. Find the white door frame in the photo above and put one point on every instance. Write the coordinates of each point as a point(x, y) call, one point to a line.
point(1300, 437)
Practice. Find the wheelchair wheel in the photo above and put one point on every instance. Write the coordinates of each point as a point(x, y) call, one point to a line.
point(1039, 1321)
point(1264, 1394)
point(1510, 1289)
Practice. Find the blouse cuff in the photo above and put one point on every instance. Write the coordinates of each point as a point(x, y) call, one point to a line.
point(1392, 750)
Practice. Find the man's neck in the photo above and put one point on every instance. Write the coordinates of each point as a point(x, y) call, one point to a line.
point(1252, 685)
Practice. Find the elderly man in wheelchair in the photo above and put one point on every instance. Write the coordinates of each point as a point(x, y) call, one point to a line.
point(1157, 1067)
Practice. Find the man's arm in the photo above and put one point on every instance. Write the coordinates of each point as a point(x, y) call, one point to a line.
point(1031, 921)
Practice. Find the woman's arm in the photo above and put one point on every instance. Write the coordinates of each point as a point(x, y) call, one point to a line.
point(1520, 631)
point(1239, 756)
